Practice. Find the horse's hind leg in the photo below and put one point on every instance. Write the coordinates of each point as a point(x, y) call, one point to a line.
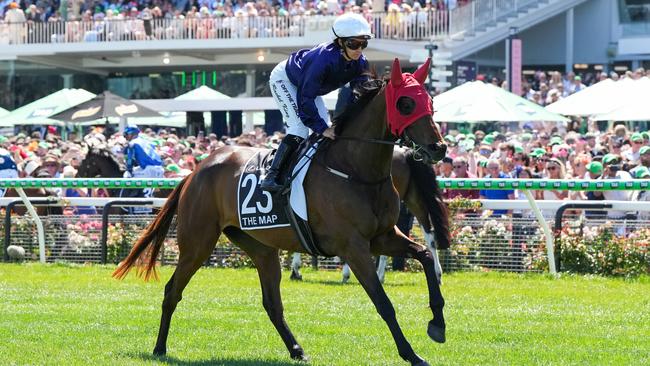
point(195, 247)
point(395, 243)
point(267, 262)
point(363, 266)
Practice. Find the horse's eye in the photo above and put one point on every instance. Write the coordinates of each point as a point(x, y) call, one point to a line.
point(405, 105)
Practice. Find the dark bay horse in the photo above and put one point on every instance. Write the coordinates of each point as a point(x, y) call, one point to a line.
point(417, 187)
point(353, 218)
point(100, 162)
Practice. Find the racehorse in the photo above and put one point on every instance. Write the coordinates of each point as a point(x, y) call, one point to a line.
point(417, 186)
point(351, 218)
point(100, 162)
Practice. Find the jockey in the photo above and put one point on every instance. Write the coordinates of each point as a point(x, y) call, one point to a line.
point(8, 167)
point(141, 152)
point(298, 83)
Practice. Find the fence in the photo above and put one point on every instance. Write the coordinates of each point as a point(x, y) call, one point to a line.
point(481, 241)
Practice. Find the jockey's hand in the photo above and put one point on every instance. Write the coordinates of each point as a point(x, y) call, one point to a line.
point(128, 174)
point(329, 133)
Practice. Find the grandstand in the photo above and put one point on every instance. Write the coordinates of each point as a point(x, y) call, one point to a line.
point(142, 55)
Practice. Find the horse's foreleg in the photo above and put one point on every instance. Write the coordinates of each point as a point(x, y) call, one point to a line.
point(396, 244)
point(189, 261)
point(363, 267)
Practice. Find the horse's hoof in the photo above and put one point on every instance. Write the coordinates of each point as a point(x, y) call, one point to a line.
point(422, 363)
point(158, 352)
point(299, 355)
point(295, 276)
point(436, 333)
point(345, 279)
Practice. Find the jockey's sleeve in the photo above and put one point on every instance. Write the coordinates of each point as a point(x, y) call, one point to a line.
point(129, 157)
point(307, 92)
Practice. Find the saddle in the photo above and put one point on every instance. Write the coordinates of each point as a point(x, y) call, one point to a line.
point(260, 209)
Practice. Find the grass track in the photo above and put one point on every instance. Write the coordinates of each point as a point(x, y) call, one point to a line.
point(78, 315)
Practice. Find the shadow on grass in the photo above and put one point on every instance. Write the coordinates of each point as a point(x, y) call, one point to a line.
point(168, 360)
point(353, 283)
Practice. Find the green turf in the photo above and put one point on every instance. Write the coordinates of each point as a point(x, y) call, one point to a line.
point(79, 315)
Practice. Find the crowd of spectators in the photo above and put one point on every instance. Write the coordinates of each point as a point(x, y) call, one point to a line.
point(582, 149)
point(58, 10)
point(119, 20)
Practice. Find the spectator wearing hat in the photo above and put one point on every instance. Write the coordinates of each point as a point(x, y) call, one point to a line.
point(539, 160)
point(51, 165)
point(576, 85)
point(15, 18)
point(632, 155)
point(644, 156)
point(554, 170)
point(594, 171)
point(590, 143)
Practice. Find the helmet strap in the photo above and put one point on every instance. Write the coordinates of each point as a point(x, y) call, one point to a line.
point(344, 49)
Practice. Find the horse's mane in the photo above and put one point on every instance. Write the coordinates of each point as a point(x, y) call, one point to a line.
point(364, 93)
point(426, 183)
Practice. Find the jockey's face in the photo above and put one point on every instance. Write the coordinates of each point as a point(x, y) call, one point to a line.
point(130, 136)
point(354, 47)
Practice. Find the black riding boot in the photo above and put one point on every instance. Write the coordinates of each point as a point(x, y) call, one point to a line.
point(288, 145)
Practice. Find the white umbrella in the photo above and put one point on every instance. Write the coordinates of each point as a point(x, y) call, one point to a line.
point(632, 105)
point(38, 111)
point(477, 101)
point(601, 97)
point(3, 112)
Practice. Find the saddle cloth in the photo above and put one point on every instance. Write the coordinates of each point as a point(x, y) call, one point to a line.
point(259, 209)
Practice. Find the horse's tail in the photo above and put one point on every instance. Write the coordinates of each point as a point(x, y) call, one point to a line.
point(147, 248)
point(426, 182)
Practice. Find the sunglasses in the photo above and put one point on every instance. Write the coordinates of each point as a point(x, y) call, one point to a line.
point(355, 44)
point(458, 166)
point(551, 168)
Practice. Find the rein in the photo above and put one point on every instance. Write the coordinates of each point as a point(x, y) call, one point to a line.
point(418, 154)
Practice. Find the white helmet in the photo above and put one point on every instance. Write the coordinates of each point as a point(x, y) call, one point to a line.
point(351, 25)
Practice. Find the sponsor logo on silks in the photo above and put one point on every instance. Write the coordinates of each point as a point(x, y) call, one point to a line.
point(83, 113)
point(126, 109)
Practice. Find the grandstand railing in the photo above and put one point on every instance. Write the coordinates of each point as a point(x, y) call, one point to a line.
point(419, 26)
point(422, 25)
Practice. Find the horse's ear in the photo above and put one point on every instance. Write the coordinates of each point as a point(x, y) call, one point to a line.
point(421, 73)
point(396, 74)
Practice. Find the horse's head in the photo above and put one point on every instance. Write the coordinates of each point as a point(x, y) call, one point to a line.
point(410, 112)
point(99, 163)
